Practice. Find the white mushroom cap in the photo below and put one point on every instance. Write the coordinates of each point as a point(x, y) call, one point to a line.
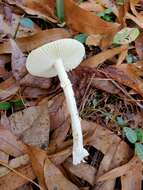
point(40, 61)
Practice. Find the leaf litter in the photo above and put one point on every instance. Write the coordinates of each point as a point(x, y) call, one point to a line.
point(35, 131)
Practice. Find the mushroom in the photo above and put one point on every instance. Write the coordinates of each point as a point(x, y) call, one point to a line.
point(55, 58)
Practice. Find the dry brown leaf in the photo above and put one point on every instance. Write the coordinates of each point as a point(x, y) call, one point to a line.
point(133, 4)
point(32, 125)
point(4, 157)
point(55, 179)
point(38, 157)
point(91, 6)
point(119, 171)
point(25, 187)
point(122, 56)
point(96, 136)
point(83, 171)
point(5, 121)
point(8, 88)
point(59, 135)
point(29, 43)
point(4, 73)
point(36, 82)
point(13, 181)
point(87, 22)
point(14, 163)
point(18, 61)
point(9, 26)
point(40, 8)
point(134, 19)
point(117, 154)
point(9, 143)
point(58, 111)
point(105, 85)
point(59, 157)
point(93, 40)
point(95, 60)
point(34, 93)
point(128, 75)
point(139, 46)
point(132, 180)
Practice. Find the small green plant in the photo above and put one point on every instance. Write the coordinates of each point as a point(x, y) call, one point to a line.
point(135, 137)
point(81, 38)
point(13, 103)
point(106, 15)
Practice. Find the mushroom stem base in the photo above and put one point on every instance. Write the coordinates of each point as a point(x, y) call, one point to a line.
point(78, 150)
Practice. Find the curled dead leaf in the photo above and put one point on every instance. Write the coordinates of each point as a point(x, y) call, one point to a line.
point(29, 43)
point(55, 179)
point(36, 82)
point(86, 22)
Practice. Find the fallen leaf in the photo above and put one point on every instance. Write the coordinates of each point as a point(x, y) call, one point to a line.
point(25, 187)
point(105, 85)
point(59, 157)
point(83, 171)
point(5, 121)
point(4, 157)
point(58, 112)
point(32, 125)
point(86, 22)
point(4, 73)
point(13, 181)
point(113, 158)
point(55, 179)
point(38, 157)
point(13, 28)
point(36, 7)
point(139, 46)
point(134, 19)
point(34, 93)
point(93, 40)
point(29, 43)
point(8, 88)
point(59, 135)
point(119, 171)
point(36, 82)
point(95, 60)
point(91, 6)
point(14, 163)
point(18, 61)
point(133, 178)
point(9, 143)
point(128, 75)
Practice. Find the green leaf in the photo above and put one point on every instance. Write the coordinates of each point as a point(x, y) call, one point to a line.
point(60, 9)
point(108, 11)
point(81, 38)
point(101, 14)
point(126, 35)
point(26, 22)
point(5, 105)
point(139, 150)
point(17, 103)
point(130, 134)
point(139, 133)
point(120, 121)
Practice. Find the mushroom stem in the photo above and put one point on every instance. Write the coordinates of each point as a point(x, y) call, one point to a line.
point(78, 151)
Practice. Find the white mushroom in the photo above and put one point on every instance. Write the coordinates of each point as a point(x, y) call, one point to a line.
point(53, 59)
